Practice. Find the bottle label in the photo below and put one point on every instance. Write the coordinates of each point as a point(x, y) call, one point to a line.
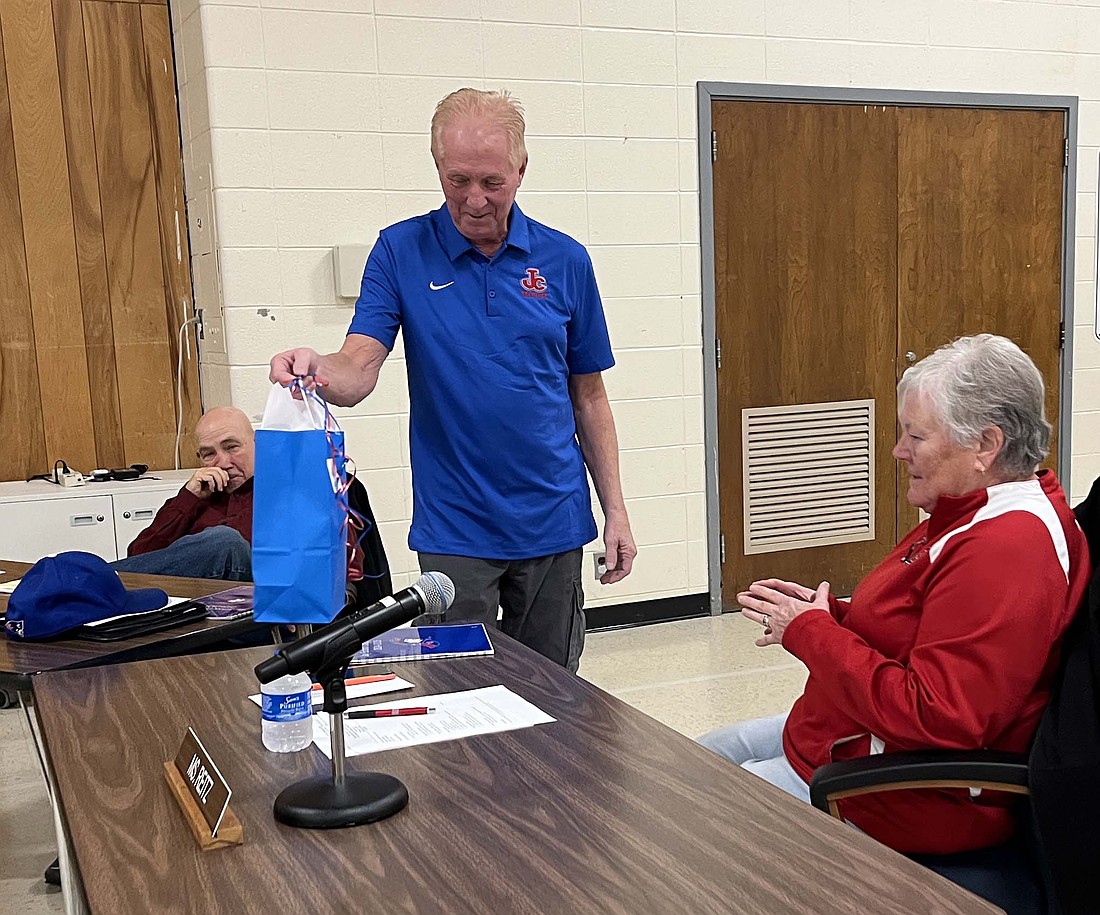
point(289, 707)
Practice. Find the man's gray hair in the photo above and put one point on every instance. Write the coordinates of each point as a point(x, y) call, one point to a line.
point(982, 381)
point(501, 107)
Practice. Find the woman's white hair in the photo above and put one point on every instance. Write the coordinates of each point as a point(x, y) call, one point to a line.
point(982, 381)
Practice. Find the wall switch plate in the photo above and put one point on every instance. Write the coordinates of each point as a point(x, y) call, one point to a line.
point(348, 262)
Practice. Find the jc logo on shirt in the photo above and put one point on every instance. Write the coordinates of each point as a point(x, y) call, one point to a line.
point(534, 285)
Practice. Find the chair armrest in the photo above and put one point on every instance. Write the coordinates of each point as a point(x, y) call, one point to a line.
point(992, 769)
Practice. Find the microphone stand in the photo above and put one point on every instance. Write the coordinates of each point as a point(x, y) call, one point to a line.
point(347, 799)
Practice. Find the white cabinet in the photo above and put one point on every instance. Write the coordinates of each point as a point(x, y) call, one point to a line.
point(133, 511)
point(39, 518)
point(30, 530)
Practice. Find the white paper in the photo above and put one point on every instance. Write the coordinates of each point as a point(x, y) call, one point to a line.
point(8, 587)
point(358, 690)
point(285, 413)
point(464, 714)
point(111, 619)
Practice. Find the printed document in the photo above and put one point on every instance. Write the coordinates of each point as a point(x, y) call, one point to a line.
point(464, 714)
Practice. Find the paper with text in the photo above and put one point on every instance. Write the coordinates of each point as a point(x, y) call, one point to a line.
point(357, 690)
point(465, 714)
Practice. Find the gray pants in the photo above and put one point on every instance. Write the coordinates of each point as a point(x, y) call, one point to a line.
point(757, 745)
point(542, 599)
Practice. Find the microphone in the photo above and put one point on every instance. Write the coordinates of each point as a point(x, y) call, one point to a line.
point(433, 592)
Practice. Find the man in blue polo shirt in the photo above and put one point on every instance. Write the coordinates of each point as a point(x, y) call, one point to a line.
point(505, 340)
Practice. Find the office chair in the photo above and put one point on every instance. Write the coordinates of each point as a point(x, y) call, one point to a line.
point(1052, 864)
point(1008, 875)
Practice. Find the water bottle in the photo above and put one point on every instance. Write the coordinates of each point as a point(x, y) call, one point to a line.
point(287, 705)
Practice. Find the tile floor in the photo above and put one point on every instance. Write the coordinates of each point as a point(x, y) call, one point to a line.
point(692, 675)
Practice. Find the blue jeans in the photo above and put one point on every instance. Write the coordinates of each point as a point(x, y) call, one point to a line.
point(217, 552)
point(757, 745)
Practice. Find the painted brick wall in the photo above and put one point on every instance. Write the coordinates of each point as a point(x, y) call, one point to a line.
point(307, 121)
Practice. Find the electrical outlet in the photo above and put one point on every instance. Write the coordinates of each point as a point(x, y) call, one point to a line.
point(600, 562)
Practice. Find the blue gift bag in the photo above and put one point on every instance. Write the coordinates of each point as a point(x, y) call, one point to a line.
point(299, 523)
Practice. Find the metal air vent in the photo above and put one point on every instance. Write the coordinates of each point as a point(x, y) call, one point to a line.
point(808, 475)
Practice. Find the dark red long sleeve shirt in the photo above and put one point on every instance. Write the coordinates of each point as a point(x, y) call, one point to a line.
point(185, 513)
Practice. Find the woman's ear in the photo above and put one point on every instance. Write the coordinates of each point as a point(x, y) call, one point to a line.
point(990, 443)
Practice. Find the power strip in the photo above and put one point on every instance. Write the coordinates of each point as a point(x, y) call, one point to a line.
point(70, 478)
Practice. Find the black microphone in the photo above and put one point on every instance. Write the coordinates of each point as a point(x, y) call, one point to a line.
point(433, 592)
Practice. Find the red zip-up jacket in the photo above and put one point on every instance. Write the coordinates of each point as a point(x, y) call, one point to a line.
point(950, 643)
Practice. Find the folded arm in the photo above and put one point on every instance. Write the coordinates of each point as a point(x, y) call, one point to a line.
point(172, 521)
point(984, 638)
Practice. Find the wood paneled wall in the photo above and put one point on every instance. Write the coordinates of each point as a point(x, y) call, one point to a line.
point(94, 277)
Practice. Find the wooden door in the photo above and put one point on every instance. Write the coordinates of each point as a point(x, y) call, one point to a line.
point(805, 271)
point(848, 236)
point(980, 238)
point(94, 282)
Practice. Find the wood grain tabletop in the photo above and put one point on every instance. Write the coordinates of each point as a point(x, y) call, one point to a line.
point(603, 811)
point(19, 661)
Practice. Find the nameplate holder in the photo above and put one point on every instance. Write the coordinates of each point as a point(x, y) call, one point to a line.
point(203, 796)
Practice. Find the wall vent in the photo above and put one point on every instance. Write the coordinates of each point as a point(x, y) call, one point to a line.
point(808, 475)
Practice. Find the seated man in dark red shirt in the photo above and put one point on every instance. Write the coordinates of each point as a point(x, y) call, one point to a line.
point(205, 530)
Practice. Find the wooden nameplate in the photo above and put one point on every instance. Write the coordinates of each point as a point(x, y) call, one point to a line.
point(230, 831)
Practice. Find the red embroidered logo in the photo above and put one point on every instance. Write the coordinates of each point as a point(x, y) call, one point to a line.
point(534, 285)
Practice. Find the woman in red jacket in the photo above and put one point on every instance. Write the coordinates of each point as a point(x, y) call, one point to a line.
point(952, 641)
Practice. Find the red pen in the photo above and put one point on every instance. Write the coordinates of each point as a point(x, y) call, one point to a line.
point(388, 712)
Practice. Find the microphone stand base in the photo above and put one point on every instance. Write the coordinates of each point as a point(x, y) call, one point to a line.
point(319, 803)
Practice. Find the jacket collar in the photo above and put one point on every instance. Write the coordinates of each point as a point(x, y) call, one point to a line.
point(950, 509)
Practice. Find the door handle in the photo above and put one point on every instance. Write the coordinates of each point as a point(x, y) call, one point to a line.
point(910, 357)
point(84, 520)
point(141, 514)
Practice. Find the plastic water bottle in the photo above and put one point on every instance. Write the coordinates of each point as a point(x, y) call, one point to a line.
point(287, 705)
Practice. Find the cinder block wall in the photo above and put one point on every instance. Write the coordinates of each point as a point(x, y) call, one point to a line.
point(307, 120)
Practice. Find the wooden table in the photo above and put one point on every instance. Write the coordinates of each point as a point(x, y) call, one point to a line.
point(603, 811)
point(19, 661)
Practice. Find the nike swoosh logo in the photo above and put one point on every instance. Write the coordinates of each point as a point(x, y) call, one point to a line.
point(436, 288)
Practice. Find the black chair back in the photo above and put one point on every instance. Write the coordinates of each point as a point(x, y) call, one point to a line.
point(376, 582)
point(1064, 765)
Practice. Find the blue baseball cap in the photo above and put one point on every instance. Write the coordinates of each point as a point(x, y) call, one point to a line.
point(62, 592)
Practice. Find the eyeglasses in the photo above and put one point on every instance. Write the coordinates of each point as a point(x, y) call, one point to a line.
point(914, 550)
